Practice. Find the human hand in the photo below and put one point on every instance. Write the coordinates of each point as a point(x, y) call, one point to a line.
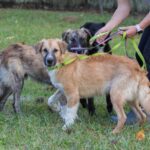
point(130, 31)
point(104, 31)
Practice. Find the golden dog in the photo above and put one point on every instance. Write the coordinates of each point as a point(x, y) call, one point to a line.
point(82, 78)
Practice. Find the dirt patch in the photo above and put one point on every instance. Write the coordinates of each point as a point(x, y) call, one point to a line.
point(70, 19)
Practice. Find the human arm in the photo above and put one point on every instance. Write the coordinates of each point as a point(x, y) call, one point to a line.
point(122, 11)
point(132, 30)
point(119, 15)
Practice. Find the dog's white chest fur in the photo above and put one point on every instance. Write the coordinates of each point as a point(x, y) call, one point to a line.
point(54, 81)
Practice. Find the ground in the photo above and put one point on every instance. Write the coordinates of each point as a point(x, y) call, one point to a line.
point(37, 128)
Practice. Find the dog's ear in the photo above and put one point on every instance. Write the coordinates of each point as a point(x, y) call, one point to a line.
point(38, 46)
point(87, 32)
point(62, 46)
point(65, 34)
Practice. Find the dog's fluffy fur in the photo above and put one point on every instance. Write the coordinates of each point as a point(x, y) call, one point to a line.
point(80, 38)
point(17, 62)
point(124, 80)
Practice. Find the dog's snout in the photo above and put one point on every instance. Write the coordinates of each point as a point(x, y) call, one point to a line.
point(73, 39)
point(50, 60)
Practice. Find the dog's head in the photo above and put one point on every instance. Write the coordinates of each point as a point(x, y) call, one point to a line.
point(77, 40)
point(51, 50)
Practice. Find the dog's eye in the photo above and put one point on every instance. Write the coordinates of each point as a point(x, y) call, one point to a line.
point(45, 50)
point(55, 50)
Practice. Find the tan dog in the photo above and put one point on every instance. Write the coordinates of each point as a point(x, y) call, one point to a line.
point(123, 79)
point(17, 62)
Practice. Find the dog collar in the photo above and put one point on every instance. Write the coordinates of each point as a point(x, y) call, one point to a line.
point(69, 60)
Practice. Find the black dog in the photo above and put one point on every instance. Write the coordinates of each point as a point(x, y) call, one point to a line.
point(78, 42)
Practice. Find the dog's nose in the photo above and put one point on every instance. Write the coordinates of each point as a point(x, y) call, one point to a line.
point(49, 61)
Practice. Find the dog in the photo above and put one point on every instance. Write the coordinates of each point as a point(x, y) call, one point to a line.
point(16, 63)
point(80, 39)
point(124, 80)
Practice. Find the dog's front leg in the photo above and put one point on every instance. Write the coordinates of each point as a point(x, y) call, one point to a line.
point(71, 109)
point(56, 101)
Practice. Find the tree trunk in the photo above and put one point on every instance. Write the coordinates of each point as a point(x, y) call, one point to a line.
point(101, 6)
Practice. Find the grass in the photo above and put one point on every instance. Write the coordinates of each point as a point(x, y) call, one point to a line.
point(39, 129)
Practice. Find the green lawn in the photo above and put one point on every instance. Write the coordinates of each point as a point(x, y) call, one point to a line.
point(38, 128)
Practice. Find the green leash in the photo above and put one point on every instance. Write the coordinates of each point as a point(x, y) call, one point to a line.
point(98, 36)
point(68, 60)
point(119, 44)
point(139, 53)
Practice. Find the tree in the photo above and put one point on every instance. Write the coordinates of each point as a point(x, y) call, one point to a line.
point(101, 6)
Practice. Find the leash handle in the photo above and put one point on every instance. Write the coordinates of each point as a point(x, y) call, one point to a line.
point(119, 44)
point(98, 36)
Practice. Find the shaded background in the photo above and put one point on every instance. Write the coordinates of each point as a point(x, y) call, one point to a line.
point(99, 5)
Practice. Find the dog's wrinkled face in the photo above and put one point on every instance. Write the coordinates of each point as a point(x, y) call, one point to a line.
point(51, 50)
point(78, 38)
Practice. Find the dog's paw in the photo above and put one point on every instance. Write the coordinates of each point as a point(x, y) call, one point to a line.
point(116, 131)
point(66, 129)
point(68, 124)
point(54, 106)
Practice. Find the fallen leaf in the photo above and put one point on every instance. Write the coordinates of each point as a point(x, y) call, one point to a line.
point(140, 135)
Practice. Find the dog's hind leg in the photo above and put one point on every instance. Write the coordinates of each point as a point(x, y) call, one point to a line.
point(109, 104)
point(83, 102)
point(138, 111)
point(118, 102)
point(16, 94)
point(91, 106)
point(3, 98)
